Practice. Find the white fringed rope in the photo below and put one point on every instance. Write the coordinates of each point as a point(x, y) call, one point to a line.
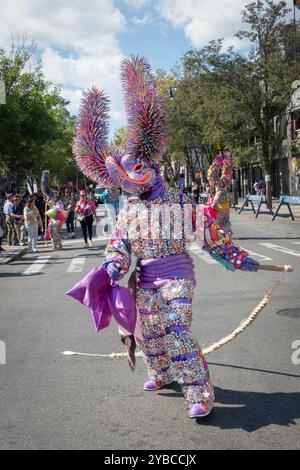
point(215, 346)
point(252, 317)
point(111, 355)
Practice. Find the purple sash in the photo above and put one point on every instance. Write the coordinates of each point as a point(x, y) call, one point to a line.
point(106, 299)
point(154, 273)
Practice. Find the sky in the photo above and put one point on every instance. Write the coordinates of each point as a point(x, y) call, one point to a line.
point(82, 42)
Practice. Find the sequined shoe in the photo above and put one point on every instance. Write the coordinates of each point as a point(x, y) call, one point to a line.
point(199, 410)
point(152, 385)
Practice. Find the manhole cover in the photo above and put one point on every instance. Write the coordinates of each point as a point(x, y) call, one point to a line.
point(290, 312)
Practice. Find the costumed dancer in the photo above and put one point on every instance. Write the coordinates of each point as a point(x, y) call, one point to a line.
point(160, 304)
point(219, 176)
point(56, 213)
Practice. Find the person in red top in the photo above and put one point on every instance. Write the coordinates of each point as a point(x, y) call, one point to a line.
point(85, 210)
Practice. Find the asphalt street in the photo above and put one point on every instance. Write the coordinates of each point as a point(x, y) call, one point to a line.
point(52, 401)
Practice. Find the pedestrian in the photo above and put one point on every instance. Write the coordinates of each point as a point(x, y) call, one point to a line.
point(7, 209)
point(40, 205)
point(85, 209)
point(195, 193)
point(69, 202)
point(256, 187)
point(33, 221)
point(2, 226)
point(235, 196)
point(18, 219)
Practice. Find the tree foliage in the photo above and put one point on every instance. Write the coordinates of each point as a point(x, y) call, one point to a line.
point(35, 127)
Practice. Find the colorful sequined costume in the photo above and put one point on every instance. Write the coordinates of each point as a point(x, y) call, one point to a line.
point(165, 277)
point(221, 204)
point(56, 213)
point(165, 285)
point(220, 176)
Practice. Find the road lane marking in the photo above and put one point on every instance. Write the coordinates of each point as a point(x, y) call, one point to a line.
point(80, 240)
point(282, 249)
point(36, 266)
point(196, 250)
point(262, 257)
point(76, 265)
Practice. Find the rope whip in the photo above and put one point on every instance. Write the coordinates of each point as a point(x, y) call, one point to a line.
point(222, 342)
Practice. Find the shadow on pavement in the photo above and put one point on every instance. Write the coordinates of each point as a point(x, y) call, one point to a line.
point(250, 411)
point(19, 275)
point(265, 371)
point(255, 410)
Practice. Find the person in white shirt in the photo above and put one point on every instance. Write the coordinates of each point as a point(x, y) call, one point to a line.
point(32, 221)
point(7, 209)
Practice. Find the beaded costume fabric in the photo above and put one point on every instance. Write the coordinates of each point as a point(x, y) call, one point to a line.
point(171, 352)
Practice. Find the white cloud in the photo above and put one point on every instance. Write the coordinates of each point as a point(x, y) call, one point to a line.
point(78, 43)
point(204, 20)
point(86, 70)
point(137, 4)
point(141, 21)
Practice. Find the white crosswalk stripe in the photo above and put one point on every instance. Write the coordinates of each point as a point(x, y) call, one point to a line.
point(196, 250)
point(81, 241)
point(36, 266)
point(257, 255)
point(282, 249)
point(76, 265)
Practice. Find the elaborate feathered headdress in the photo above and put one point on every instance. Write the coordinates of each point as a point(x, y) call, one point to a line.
point(132, 166)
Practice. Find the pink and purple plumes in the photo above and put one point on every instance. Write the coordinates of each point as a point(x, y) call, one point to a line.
point(91, 146)
point(134, 166)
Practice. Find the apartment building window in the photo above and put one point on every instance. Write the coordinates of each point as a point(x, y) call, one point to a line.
point(295, 127)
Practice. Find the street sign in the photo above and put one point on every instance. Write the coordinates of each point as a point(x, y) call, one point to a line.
point(2, 93)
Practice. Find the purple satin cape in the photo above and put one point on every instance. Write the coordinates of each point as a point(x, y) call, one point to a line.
point(154, 273)
point(105, 299)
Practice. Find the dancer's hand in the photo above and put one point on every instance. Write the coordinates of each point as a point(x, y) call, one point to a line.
point(113, 270)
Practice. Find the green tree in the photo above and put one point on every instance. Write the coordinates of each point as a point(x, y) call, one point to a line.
point(35, 127)
point(260, 82)
point(120, 136)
